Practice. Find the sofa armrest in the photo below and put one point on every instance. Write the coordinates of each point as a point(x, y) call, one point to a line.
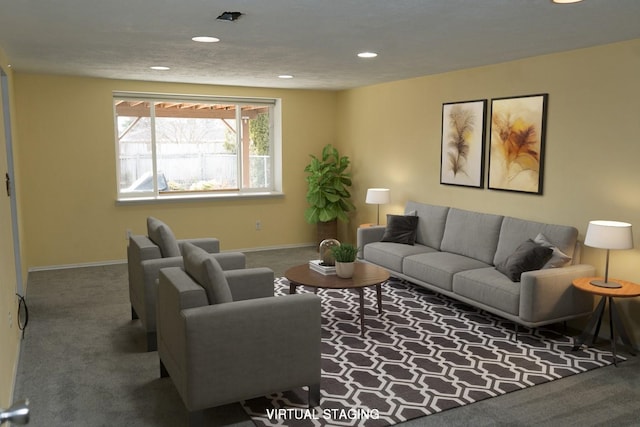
point(250, 283)
point(209, 244)
point(251, 348)
point(548, 294)
point(366, 235)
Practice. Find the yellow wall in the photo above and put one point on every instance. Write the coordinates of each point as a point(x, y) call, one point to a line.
point(9, 332)
point(592, 164)
point(68, 194)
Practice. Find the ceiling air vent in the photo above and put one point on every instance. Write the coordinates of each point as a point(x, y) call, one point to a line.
point(229, 16)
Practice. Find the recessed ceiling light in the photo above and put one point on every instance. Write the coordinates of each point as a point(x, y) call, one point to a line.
point(285, 76)
point(566, 1)
point(367, 54)
point(205, 39)
point(160, 68)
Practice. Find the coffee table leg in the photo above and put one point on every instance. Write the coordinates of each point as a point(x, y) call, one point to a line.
point(379, 295)
point(292, 287)
point(361, 292)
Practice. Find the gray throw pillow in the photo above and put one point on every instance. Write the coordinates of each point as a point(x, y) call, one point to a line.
point(558, 258)
point(401, 229)
point(528, 256)
point(206, 271)
point(161, 235)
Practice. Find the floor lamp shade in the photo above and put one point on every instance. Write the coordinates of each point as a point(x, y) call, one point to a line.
point(608, 235)
point(378, 196)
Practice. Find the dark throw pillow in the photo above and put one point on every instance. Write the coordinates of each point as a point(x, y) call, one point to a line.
point(401, 229)
point(528, 257)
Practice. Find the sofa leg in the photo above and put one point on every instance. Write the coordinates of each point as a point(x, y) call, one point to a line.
point(152, 341)
point(134, 315)
point(517, 329)
point(314, 395)
point(196, 418)
point(163, 370)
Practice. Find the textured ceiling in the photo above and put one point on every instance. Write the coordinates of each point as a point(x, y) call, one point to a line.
point(316, 41)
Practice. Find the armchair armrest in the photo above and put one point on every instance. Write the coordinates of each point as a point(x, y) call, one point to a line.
point(142, 248)
point(209, 244)
point(366, 235)
point(251, 348)
point(250, 283)
point(231, 260)
point(548, 294)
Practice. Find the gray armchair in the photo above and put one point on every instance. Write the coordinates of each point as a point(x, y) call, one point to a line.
point(146, 255)
point(223, 337)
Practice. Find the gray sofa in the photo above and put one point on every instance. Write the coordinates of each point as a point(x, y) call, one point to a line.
point(146, 255)
point(223, 337)
point(456, 252)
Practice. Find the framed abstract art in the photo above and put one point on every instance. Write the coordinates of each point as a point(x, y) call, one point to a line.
point(462, 143)
point(517, 139)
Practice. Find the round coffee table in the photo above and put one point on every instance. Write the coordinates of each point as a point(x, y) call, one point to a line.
point(364, 275)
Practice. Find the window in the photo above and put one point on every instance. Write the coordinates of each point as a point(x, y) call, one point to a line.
point(181, 147)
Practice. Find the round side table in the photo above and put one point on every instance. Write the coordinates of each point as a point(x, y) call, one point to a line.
point(628, 290)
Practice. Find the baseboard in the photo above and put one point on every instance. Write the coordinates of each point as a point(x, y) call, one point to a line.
point(79, 265)
point(124, 261)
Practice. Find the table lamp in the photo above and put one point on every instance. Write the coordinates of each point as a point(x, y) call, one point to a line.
point(377, 196)
point(608, 235)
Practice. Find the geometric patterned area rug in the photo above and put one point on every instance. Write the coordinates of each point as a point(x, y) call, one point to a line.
point(424, 354)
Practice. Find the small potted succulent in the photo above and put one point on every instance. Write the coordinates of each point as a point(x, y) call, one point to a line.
point(345, 256)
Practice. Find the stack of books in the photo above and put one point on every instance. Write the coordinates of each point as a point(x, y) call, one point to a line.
point(319, 266)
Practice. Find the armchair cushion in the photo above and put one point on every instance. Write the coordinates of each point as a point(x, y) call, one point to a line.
point(206, 270)
point(161, 235)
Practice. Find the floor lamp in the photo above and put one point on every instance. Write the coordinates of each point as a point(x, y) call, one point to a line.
point(377, 196)
point(608, 235)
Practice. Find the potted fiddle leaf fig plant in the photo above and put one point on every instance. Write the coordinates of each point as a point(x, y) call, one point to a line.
point(328, 193)
point(345, 257)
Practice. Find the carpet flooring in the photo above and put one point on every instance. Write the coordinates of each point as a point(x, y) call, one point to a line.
point(424, 354)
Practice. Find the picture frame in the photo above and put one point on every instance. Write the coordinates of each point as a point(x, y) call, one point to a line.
point(463, 143)
point(517, 143)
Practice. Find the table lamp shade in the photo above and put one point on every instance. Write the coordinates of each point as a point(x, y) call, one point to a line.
point(377, 196)
point(609, 235)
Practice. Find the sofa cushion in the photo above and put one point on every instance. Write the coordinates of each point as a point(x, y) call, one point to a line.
point(161, 235)
point(206, 271)
point(401, 229)
point(431, 223)
point(558, 258)
point(489, 287)
point(390, 255)
point(472, 234)
point(528, 256)
point(438, 268)
point(514, 231)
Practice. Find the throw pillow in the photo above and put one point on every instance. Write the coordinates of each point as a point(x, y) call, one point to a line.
point(206, 271)
point(528, 256)
point(401, 229)
point(558, 258)
point(161, 235)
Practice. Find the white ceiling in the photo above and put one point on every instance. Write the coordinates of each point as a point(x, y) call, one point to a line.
point(314, 40)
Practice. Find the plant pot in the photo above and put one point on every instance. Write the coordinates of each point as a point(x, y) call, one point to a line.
point(345, 269)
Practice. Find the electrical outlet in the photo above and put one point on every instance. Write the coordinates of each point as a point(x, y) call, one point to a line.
point(10, 320)
point(258, 225)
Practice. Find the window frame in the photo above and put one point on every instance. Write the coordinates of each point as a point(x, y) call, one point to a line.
point(275, 155)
